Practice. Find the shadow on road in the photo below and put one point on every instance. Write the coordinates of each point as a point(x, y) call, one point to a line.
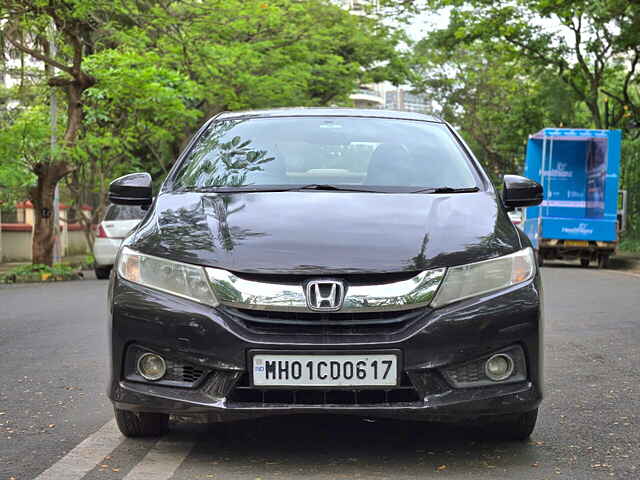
point(319, 445)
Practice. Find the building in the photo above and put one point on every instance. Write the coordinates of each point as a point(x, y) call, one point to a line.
point(16, 233)
point(368, 96)
point(402, 99)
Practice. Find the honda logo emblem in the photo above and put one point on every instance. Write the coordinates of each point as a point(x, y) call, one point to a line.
point(325, 295)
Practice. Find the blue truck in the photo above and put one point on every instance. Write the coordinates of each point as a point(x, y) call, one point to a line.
point(578, 218)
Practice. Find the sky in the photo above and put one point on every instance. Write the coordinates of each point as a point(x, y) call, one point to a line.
point(424, 22)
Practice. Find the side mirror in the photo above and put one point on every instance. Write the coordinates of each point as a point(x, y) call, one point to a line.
point(132, 189)
point(520, 192)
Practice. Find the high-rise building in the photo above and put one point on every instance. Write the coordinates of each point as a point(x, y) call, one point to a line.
point(402, 99)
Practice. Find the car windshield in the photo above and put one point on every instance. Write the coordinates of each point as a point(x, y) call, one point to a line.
point(325, 152)
point(123, 212)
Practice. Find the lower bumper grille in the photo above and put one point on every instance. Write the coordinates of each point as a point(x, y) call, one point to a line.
point(405, 394)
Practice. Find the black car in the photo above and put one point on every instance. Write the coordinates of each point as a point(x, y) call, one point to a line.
point(326, 260)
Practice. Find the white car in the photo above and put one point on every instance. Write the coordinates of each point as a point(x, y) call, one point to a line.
point(118, 221)
point(517, 218)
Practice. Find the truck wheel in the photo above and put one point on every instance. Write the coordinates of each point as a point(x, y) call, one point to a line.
point(141, 424)
point(102, 273)
point(603, 261)
point(516, 428)
point(584, 262)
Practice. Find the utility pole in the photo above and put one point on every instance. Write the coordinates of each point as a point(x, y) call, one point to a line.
point(54, 141)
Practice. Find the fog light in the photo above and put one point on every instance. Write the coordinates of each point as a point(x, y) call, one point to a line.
point(151, 366)
point(499, 367)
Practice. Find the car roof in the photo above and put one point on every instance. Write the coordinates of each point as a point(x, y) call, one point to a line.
point(328, 112)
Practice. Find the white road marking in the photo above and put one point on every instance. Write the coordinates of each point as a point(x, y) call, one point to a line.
point(86, 455)
point(161, 462)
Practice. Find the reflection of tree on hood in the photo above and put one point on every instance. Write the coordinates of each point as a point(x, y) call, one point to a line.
point(218, 209)
point(199, 226)
point(214, 162)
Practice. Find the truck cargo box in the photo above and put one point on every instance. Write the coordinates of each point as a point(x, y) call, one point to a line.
point(579, 172)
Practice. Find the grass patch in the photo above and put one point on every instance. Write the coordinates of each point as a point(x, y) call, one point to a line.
point(39, 273)
point(630, 244)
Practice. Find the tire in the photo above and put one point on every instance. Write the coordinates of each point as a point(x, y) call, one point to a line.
point(540, 258)
point(584, 262)
point(516, 428)
point(141, 424)
point(603, 261)
point(102, 273)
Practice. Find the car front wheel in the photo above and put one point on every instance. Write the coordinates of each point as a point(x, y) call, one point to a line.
point(142, 424)
point(102, 273)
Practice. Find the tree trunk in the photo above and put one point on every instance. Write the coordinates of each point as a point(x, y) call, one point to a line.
point(41, 196)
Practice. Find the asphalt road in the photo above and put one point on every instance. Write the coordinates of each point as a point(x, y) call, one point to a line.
point(54, 415)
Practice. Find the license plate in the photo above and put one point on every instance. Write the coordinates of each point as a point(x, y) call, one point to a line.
point(315, 370)
point(576, 243)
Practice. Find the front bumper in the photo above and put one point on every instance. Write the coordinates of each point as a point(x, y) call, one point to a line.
point(199, 335)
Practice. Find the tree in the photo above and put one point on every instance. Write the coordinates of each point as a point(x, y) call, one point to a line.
point(225, 54)
point(256, 53)
point(23, 142)
point(590, 47)
point(132, 115)
point(495, 98)
point(68, 24)
point(585, 44)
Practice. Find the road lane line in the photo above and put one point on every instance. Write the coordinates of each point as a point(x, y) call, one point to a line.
point(86, 455)
point(161, 462)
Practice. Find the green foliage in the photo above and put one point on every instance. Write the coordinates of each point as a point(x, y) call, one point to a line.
point(630, 181)
point(630, 243)
point(494, 98)
point(154, 70)
point(38, 273)
point(256, 53)
point(593, 47)
point(503, 69)
point(133, 115)
point(24, 141)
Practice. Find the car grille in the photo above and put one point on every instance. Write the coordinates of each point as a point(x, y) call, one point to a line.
point(350, 278)
point(313, 323)
point(404, 394)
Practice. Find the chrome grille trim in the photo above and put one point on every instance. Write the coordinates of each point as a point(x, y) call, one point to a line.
point(416, 292)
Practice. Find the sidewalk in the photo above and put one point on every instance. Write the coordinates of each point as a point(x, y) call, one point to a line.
point(629, 261)
point(71, 260)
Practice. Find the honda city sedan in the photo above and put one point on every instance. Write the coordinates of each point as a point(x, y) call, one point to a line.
point(326, 261)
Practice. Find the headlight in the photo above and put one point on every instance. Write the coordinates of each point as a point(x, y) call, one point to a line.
point(180, 279)
point(483, 277)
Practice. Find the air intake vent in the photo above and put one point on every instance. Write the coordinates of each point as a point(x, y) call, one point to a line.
point(191, 374)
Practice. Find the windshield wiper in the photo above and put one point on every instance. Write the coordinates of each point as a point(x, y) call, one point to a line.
point(342, 188)
point(275, 188)
point(447, 190)
point(241, 188)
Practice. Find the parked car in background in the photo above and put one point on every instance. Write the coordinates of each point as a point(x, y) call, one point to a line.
point(516, 217)
point(118, 221)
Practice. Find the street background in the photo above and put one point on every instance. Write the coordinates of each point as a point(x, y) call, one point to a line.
point(54, 357)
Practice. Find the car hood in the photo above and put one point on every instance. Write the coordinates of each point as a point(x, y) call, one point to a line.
point(326, 232)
